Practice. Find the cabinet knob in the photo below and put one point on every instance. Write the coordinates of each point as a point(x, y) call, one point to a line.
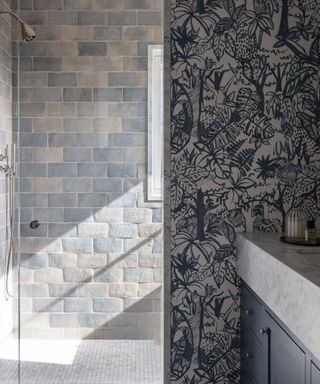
point(248, 355)
point(263, 331)
point(248, 312)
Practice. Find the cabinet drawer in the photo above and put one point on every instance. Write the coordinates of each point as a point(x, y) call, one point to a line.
point(315, 374)
point(254, 356)
point(287, 360)
point(253, 315)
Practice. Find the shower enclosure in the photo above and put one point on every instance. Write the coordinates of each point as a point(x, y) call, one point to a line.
point(81, 293)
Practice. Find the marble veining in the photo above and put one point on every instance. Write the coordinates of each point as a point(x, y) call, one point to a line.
point(287, 279)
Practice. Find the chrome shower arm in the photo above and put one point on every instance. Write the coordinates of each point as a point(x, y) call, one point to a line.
point(15, 16)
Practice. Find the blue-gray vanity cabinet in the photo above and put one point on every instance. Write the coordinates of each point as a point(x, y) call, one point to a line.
point(315, 374)
point(268, 354)
point(287, 360)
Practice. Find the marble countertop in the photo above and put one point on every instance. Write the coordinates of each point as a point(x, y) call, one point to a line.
point(287, 279)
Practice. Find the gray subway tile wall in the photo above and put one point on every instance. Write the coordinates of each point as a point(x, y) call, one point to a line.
point(95, 262)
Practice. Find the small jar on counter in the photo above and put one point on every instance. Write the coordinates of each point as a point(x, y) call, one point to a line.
point(296, 223)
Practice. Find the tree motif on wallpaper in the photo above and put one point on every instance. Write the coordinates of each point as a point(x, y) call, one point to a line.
point(245, 139)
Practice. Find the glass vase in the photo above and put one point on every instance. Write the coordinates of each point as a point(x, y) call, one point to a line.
point(296, 222)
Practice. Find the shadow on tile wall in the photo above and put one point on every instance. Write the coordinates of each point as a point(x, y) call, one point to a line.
point(83, 106)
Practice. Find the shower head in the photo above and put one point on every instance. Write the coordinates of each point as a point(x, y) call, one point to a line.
point(28, 34)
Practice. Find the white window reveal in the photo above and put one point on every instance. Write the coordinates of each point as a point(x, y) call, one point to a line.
point(155, 122)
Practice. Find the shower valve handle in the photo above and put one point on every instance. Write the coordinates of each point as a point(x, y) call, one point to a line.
point(34, 224)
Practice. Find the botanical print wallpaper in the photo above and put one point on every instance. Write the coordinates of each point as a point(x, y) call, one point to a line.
point(245, 146)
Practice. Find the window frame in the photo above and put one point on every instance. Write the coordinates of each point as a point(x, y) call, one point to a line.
point(155, 123)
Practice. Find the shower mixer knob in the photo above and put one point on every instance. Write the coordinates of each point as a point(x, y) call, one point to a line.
point(34, 224)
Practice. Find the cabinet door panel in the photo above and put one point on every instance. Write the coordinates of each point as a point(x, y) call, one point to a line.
point(287, 360)
point(245, 377)
point(315, 374)
point(254, 356)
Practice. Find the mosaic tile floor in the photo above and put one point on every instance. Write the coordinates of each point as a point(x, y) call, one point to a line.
point(93, 362)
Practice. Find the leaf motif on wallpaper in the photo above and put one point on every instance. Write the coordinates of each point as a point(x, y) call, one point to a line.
point(267, 167)
point(223, 25)
point(262, 223)
point(219, 46)
point(243, 159)
point(296, 48)
point(181, 70)
point(204, 45)
point(181, 119)
point(310, 126)
point(181, 344)
point(213, 160)
point(315, 50)
point(214, 227)
point(269, 6)
point(225, 251)
point(176, 196)
point(310, 207)
point(203, 374)
point(247, 102)
point(192, 380)
point(214, 4)
point(223, 131)
point(257, 21)
point(194, 174)
point(212, 310)
point(306, 183)
point(228, 232)
point(177, 296)
point(187, 185)
point(311, 104)
point(318, 195)
point(204, 272)
point(231, 272)
point(235, 146)
point(260, 129)
point(176, 190)
point(192, 21)
point(180, 165)
point(288, 174)
point(223, 359)
point(188, 298)
point(229, 6)
point(296, 83)
point(197, 289)
point(237, 219)
point(195, 250)
point(243, 183)
point(274, 104)
point(219, 273)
